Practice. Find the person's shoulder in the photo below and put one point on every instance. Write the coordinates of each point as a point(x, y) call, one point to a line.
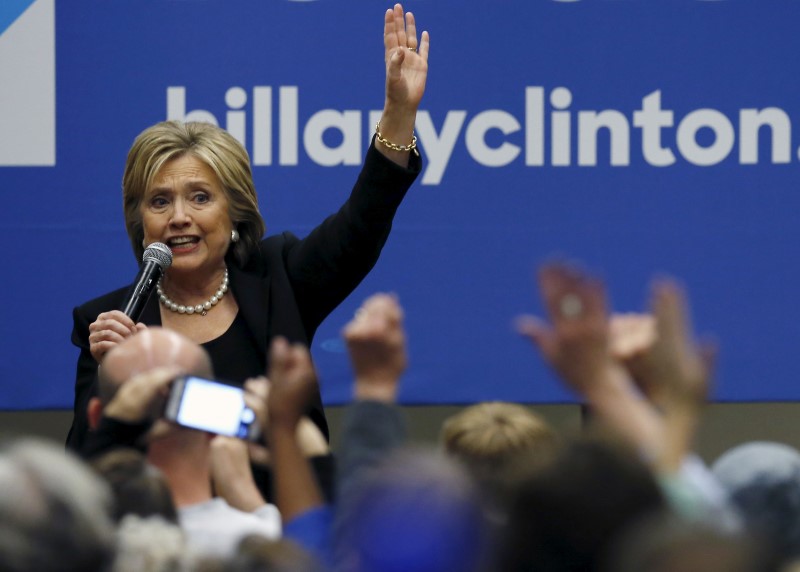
point(203, 509)
point(269, 253)
point(274, 242)
point(86, 313)
point(109, 301)
point(217, 510)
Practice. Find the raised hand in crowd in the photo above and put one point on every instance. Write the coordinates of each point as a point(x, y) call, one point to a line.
point(231, 474)
point(373, 425)
point(673, 368)
point(142, 397)
point(293, 385)
point(616, 363)
point(311, 440)
point(577, 345)
point(630, 334)
point(674, 371)
point(376, 343)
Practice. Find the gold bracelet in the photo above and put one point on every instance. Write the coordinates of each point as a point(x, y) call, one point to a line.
point(394, 146)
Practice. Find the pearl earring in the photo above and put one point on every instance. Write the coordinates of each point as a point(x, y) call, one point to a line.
point(234, 236)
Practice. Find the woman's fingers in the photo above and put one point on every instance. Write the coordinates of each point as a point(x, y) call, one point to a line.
point(424, 46)
point(411, 32)
point(399, 26)
point(108, 330)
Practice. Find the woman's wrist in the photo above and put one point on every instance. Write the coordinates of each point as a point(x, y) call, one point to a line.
point(396, 140)
point(397, 121)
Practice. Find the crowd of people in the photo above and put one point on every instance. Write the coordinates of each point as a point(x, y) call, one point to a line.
point(503, 491)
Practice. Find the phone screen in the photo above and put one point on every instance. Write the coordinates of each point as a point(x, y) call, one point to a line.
point(211, 406)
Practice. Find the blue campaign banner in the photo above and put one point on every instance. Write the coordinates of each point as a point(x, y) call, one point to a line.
point(639, 137)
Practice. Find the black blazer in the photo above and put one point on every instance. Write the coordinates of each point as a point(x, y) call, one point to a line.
point(289, 286)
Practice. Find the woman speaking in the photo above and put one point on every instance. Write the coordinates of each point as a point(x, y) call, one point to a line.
point(190, 187)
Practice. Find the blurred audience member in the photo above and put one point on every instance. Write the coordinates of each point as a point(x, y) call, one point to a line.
point(149, 544)
point(646, 384)
point(139, 488)
point(414, 510)
point(373, 424)
point(134, 379)
point(300, 500)
point(257, 554)
point(763, 482)
point(400, 509)
point(54, 511)
point(670, 544)
point(567, 515)
point(495, 441)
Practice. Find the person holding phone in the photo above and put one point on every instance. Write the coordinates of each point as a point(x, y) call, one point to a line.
point(140, 376)
point(190, 187)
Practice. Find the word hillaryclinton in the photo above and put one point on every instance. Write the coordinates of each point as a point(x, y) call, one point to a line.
point(547, 133)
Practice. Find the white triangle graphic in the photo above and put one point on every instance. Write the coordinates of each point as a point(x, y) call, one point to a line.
point(28, 89)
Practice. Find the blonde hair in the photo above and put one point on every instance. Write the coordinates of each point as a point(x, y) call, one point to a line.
point(493, 437)
point(215, 147)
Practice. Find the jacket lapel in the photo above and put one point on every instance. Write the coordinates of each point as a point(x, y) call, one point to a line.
point(151, 313)
point(252, 295)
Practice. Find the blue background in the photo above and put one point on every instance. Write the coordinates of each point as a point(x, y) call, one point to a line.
point(462, 253)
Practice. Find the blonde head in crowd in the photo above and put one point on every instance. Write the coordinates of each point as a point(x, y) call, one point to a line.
point(495, 432)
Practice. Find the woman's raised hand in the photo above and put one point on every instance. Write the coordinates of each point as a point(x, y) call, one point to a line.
point(406, 72)
point(406, 59)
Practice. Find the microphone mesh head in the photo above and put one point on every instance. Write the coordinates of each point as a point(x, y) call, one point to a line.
point(159, 253)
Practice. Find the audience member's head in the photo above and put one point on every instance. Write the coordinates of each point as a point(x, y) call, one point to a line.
point(416, 510)
point(493, 440)
point(667, 543)
point(169, 446)
point(763, 482)
point(147, 350)
point(257, 554)
point(149, 544)
point(54, 511)
point(138, 487)
point(566, 515)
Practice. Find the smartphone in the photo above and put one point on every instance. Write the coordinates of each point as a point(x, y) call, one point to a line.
point(211, 406)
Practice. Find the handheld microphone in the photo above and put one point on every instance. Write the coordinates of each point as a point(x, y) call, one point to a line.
point(156, 259)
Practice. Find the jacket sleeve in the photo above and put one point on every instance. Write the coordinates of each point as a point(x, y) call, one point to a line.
point(371, 431)
point(85, 381)
point(326, 266)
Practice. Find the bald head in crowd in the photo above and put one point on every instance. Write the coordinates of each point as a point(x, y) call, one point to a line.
point(147, 350)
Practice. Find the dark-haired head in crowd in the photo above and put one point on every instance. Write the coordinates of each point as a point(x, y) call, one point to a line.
point(138, 487)
point(567, 515)
point(667, 543)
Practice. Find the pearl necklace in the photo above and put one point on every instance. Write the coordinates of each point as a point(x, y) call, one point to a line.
point(201, 309)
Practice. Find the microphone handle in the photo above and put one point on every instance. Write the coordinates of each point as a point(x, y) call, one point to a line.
point(141, 289)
